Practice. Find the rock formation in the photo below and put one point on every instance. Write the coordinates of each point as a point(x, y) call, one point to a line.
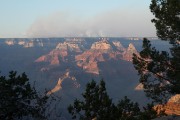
point(61, 79)
point(53, 57)
point(101, 46)
point(57, 55)
point(139, 87)
point(172, 107)
point(103, 51)
point(118, 45)
point(88, 59)
point(9, 42)
point(128, 53)
point(25, 42)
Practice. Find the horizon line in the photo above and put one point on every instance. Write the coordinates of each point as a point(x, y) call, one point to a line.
point(73, 37)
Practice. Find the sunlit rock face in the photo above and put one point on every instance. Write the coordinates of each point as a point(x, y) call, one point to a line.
point(68, 46)
point(118, 45)
point(128, 53)
point(88, 61)
point(175, 99)
point(9, 42)
point(172, 107)
point(53, 57)
point(88, 58)
point(103, 51)
point(64, 77)
point(59, 54)
point(22, 42)
point(101, 46)
point(139, 87)
point(26, 43)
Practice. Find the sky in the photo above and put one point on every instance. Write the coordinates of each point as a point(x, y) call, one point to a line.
point(75, 18)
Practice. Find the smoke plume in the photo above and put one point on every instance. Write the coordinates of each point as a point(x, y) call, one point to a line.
point(116, 23)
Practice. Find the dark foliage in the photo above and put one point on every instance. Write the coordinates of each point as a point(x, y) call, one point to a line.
point(19, 100)
point(98, 106)
point(159, 70)
point(167, 18)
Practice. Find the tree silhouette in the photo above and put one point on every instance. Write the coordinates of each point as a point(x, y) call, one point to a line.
point(159, 70)
point(19, 100)
point(97, 105)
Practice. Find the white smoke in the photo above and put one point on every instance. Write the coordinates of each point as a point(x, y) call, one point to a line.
point(116, 23)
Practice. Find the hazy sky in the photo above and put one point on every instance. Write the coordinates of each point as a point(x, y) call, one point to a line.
point(63, 18)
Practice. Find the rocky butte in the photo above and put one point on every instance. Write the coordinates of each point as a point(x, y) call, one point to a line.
point(103, 51)
point(59, 54)
point(88, 59)
point(25, 43)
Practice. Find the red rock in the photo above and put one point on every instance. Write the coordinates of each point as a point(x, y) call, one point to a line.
point(103, 51)
point(172, 107)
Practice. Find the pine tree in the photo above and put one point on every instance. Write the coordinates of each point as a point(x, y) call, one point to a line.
point(19, 100)
point(127, 110)
point(159, 70)
point(98, 106)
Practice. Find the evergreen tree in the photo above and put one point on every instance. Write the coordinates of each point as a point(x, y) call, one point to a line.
point(159, 70)
point(127, 110)
point(98, 106)
point(19, 100)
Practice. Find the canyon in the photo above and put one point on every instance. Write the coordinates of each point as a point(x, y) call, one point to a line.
point(63, 66)
point(88, 59)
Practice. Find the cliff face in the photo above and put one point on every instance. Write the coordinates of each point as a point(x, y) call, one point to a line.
point(64, 77)
point(118, 45)
point(128, 53)
point(53, 57)
point(88, 59)
point(68, 47)
point(59, 54)
point(103, 51)
point(103, 46)
point(172, 107)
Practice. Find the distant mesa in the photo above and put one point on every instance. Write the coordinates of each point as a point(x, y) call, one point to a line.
point(141, 38)
point(57, 55)
point(9, 42)
point(25, 43)
point(68, 47)
point(53, 57)
point(101, 46)
point(103, 51)
point(88, 58)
